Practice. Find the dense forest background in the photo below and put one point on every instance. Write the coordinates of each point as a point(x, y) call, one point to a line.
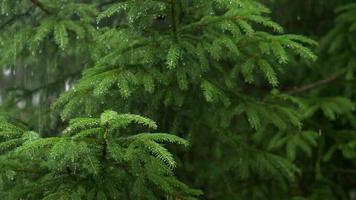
point(260, 93)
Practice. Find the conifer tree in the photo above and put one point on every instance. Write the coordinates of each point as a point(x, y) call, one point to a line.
point(94, 158)
point(210, 71)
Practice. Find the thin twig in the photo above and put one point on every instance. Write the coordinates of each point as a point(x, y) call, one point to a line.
point(316, 84)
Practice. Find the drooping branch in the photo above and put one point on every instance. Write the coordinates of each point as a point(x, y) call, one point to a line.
point(14, 18)
point(102, 4)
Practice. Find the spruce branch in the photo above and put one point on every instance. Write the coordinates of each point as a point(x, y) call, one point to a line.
point(13, 19)
point(213, 21)
point(102, 4)
point(24, 170)
point(41, 6)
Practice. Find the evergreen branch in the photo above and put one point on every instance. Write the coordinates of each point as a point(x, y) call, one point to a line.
point(213, 21)
point(20, 169)
point(316, 84)
point(23, 170)
point(8, 22)
point(41, 6)
point(197, 7)
point(106, 3)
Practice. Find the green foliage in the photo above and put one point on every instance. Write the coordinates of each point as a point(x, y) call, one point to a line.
point(221, 73)
point(93, 156)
